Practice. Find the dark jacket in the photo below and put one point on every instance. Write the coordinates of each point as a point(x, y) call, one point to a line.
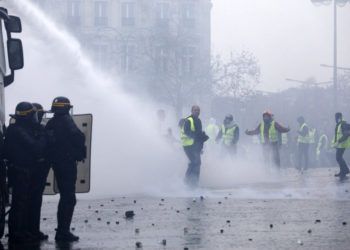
point(68, 140)
point(24, 144)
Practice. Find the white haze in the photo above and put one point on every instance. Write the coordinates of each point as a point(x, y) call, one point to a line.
point(291, 38)
point(129, 156)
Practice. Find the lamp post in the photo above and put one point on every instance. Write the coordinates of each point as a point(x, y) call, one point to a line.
point(336, 3)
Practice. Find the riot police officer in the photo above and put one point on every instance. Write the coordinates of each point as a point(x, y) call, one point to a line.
point(67, 149)
point(23, 148)
point(38, 181)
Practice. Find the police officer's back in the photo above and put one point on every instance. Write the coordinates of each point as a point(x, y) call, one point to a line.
point(68, 148)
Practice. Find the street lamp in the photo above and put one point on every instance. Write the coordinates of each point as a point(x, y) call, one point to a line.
point(336, 3)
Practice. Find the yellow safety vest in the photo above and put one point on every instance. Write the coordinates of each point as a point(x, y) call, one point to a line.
point(346, 143)
point(312, 135)
point(187, 141)
point(303, 139)
point(212, 131)
point(228, 134)
point(273, 135)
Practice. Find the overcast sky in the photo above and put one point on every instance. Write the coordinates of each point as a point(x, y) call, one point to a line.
point(291, 38)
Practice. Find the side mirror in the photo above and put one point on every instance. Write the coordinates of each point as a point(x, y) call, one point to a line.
point(13, 25)
point(15, 54)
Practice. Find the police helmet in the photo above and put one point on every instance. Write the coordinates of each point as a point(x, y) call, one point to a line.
point(38, 108)
point(24, 111)
point(61, 105)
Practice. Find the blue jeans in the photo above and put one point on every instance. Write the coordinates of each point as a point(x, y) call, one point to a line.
point(193, 171)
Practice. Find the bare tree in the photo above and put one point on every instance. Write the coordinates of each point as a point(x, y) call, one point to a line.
point(177, 73)
point(236, 78)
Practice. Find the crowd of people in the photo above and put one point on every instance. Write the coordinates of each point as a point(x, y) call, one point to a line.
point(273, 138)
point(30, 149)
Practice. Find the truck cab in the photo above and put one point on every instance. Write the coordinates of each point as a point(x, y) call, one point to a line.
point(11, 54)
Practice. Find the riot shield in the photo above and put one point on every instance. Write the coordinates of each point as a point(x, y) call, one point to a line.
point(84, 123)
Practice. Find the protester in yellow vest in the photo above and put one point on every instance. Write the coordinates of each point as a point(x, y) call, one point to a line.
point(212, 130)
point(303, 143)
point(322, 150)
point(341, 142)
point(268, 130)
point(229, 134)
point(193, 138)
point(313, 135)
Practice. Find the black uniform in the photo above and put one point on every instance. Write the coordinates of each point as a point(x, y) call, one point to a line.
point(37, 185)
point(67, 149)
point(24, 146)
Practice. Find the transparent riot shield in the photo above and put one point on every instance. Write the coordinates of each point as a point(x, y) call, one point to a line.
point(84, 123)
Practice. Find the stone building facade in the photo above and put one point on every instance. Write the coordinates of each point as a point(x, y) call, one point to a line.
point(158, 40)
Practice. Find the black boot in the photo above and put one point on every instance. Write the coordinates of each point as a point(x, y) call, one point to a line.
point(21, 238)
point(66, 237)
point(40, 236)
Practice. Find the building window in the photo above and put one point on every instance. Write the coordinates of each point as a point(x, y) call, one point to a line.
point(74, 17)
point(128, 58)
point(187, 60)
point(128, 14)
point(162, 60)
point(101, 18)
point(188, 15)
point(162, 14)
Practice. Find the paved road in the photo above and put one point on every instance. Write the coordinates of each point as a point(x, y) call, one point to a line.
point(302, 212)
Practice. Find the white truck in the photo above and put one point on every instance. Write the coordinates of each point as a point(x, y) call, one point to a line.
point(11, 59)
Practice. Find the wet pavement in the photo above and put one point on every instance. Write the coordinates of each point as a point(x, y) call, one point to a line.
point(311, 211)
